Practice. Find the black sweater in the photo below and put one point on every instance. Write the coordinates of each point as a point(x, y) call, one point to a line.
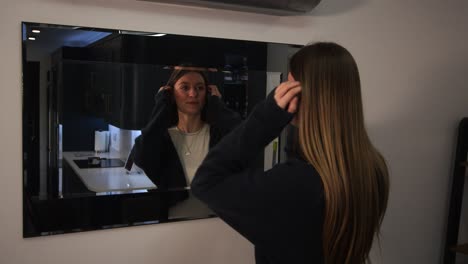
point(281, 210)
point(154, 150)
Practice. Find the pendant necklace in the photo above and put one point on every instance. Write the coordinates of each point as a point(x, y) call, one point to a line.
point(188, 151)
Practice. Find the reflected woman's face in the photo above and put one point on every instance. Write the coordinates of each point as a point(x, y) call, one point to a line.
point(190, 93)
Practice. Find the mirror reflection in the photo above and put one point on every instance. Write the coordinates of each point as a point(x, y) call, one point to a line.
point(115, 123)
point(189, 117)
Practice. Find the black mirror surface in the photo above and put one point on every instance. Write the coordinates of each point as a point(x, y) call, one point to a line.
point(88, 93)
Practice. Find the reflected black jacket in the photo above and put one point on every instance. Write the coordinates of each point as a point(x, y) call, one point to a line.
point(154, 151)
point(281, 210)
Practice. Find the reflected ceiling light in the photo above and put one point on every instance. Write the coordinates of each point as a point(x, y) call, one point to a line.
point(32, 38)
point(157, 35)
point(37, 31)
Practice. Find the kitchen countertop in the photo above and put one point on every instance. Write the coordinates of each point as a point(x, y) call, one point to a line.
point(107, 179)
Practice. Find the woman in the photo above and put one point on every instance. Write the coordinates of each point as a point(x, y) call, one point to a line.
point(188, 118)
point(324, 205)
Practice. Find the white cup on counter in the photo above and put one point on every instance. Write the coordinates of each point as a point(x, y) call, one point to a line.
point(101, 141)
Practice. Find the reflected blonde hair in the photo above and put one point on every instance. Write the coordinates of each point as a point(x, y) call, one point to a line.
point(333, 138)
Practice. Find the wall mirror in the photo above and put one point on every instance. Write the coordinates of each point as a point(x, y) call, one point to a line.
point(87, 95)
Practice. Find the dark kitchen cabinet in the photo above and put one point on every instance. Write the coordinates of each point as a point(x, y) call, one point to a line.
point(175, 49)
point(114, 80)
point(74, 103)
point(101, 86)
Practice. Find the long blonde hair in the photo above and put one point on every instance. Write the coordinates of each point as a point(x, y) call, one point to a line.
point(333, 138)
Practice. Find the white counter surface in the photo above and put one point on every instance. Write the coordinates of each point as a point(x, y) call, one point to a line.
point(107, 179)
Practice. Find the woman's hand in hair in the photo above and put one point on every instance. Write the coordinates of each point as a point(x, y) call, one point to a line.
point(287, 96)
point(165, 87)
point(213, 89)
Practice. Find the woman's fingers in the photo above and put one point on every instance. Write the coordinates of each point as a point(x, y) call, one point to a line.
point(166, 87)
point(283, 88)
point(286, 99)
point(293, 105)
point(214, 90)
point(286, 92)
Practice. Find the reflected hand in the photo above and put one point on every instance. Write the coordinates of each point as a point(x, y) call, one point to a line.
point(214, 90)
point(165, 87)
point(287, 96)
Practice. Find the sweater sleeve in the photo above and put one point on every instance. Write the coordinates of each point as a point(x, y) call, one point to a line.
point(246, 199)
point(221, 116)
point(148, 147)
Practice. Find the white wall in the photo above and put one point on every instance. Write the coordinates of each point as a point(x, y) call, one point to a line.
point(413, 60)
